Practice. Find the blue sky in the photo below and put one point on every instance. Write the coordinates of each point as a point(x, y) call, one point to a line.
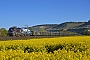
point(35, 12)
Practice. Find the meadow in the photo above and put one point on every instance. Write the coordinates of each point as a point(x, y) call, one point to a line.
point(57, 48)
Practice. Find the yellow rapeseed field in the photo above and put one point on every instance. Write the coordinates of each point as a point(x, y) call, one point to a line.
point(57, 48)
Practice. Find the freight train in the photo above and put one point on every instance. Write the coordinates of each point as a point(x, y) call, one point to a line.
point(15, 31)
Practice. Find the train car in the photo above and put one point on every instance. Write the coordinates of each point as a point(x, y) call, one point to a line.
point(14, 31)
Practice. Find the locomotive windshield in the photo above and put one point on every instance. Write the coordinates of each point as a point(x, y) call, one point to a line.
point(11, 29)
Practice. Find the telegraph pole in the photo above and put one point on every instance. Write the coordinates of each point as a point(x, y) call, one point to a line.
point(26, 26)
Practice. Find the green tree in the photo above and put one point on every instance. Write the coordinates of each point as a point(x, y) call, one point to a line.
point(32, 30)
point(86, 32)
point(41, 31)
point(3, 32)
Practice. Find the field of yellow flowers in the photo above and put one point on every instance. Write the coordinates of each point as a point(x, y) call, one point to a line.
point(57, 48)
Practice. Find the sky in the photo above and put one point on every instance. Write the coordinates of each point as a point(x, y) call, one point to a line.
point(35, 12)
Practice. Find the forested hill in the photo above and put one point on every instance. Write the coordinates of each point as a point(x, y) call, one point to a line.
point(65, 25)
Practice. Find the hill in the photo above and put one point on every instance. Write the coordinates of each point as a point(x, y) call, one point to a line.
point(85, 25)
point(77, 27)
point(65, 25)
point(45, 26)
point(68, 25)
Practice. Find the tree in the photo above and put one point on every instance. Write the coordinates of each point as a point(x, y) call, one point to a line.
point(86, 32)
point(41, 31)
point(3, 32)
point(32, 30)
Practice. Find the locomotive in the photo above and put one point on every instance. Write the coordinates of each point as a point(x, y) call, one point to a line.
point(15, 31)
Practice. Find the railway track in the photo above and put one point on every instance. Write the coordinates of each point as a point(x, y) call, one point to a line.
point(31, 37)
point(22, 38)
